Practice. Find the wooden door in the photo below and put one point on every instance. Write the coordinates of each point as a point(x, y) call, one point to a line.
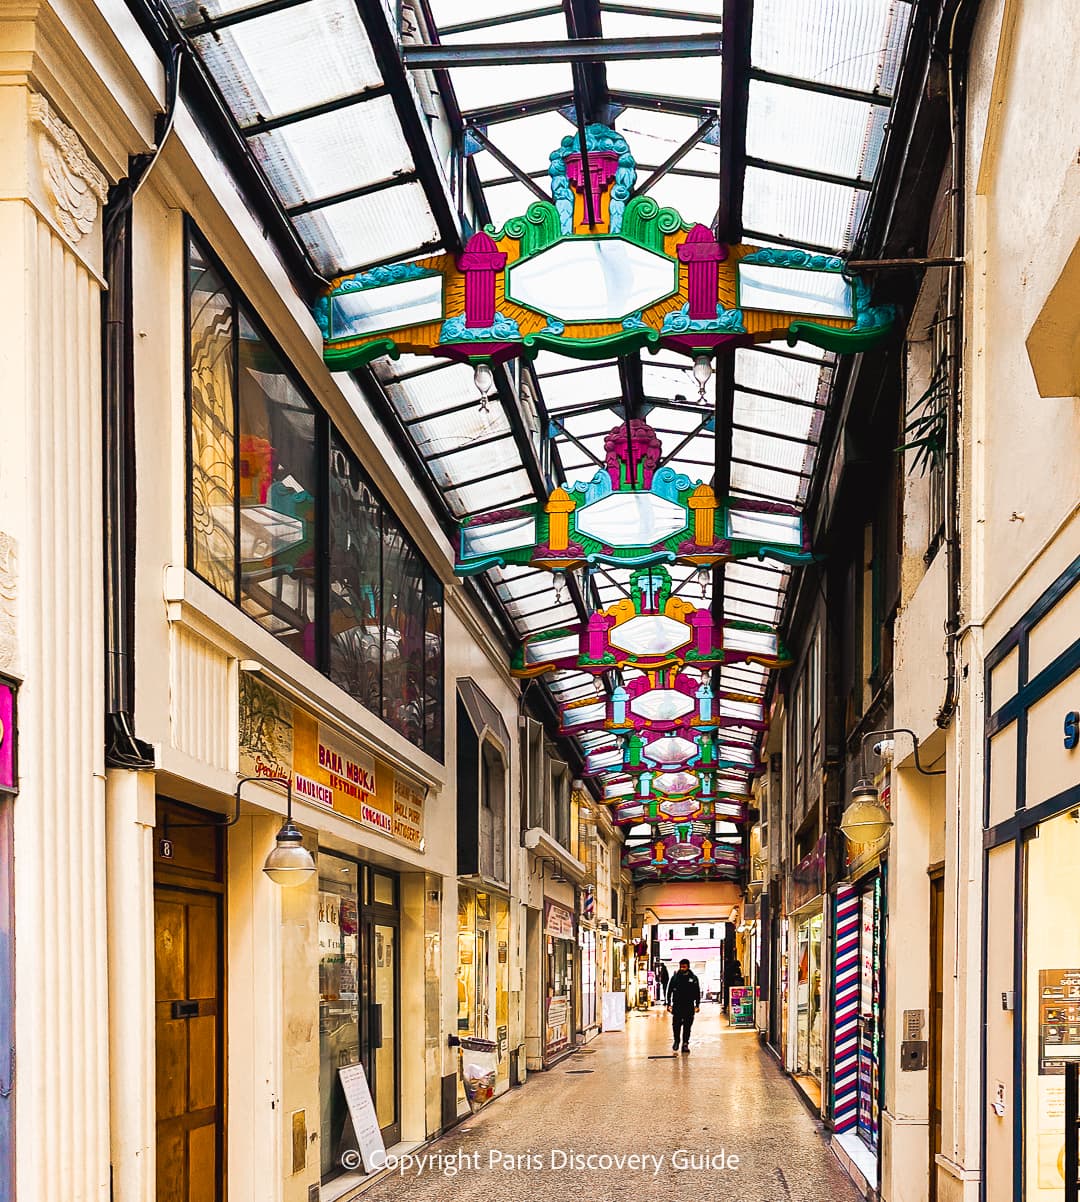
point(937, 952)
point(188, 1017)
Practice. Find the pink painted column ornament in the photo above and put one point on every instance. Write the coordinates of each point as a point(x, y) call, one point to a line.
point(480, 261)
point(702, 255)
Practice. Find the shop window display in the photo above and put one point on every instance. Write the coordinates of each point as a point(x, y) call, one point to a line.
point(483, 974)
point(808, 998)
point(339, 998)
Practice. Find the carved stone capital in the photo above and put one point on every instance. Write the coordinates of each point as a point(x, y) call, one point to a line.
point(73, 181)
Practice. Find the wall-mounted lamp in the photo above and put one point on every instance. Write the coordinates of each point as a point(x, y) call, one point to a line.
point(866, 819)
point(290, 863)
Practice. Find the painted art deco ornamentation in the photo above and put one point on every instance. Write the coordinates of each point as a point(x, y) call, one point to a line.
point(640, 277)
point(651, 630)
point(684, 853)
point(633, 512)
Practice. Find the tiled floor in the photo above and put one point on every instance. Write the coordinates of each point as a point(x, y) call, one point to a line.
point(628, 1095)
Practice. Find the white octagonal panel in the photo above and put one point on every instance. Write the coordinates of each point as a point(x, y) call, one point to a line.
point(670, 750)
point(637, 519)
point(674, 782)
point(650, 634)
point(592, 279)
point(662, 703)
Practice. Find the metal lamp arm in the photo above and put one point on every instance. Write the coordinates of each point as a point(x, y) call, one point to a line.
point(899, 730)
point(266, 780)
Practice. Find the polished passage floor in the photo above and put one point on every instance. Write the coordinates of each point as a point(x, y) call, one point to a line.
point(726, 1101)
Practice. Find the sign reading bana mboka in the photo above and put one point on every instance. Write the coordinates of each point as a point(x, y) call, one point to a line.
point(278, 738)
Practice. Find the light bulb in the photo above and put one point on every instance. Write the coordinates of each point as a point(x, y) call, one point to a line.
point(559, 581)
point(704, 579)
point(483, 379)
point(703, 373)
point(290, 863)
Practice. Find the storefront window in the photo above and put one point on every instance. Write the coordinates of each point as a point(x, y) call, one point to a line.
point(559, 1005)
point(588, 978)
point(808, 998)
point(483, 974)
point(345, 589)
point(339, 999)
point(1052, 1000)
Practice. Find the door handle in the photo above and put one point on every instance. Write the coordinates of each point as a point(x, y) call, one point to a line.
point(375, 1024)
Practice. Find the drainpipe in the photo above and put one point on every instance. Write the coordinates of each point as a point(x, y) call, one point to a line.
point(958, 21)
point(122, 748)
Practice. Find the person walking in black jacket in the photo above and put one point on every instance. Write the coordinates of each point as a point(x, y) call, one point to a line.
point(683, 1002)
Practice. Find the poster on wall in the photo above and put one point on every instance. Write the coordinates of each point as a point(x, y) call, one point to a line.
point(365, 1122)
point(558, 921)
point(557, 1024)
point(327, 768)
point(741, 1006)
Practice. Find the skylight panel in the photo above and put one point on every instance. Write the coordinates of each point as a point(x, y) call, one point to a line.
point(332, 153)
point(369, 229)
point(798, 128)
point(773, 452)
point(803, 210)
point(254, 63)
point(847, 43)
point(433, 392)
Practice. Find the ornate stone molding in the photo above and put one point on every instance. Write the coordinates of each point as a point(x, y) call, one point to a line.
point(8, 595)
point(73, 181)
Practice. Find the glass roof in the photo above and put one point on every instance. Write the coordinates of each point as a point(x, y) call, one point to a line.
point(367, 157)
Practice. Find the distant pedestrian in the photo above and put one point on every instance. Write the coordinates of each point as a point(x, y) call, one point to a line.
point(662, 977)
point(683, 1002)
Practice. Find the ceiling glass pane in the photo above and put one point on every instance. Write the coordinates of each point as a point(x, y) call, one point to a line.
point(528, 141)
point(769, 483)
point(774, 452)
point(803, 210)
point(332, 153)
point(780, 374)
point(458, 429)
point(768, 413)
point(696, 77)
point(369, 229)
point(490, 494)
point(850, 43)
point(432, 392)
point(255, 63)
point(474, 461)
point(798, 128)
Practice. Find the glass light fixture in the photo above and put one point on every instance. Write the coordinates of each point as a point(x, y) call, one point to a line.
point(484, 379)
point(704, 578)
point(290, 863)
point(703, 373)
point(865, 820)
point(558, 580)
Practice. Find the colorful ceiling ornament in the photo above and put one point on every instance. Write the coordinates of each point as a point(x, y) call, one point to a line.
point(682, 750)
point(686, 852)
point(633, 512)
point(629, 813)
point(663, 700)
point(651, 629)
point(639, 276)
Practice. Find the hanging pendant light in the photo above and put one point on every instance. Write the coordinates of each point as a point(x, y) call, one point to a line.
point(290, 863)
point(703, 373)
point(865, 820)
point(484, 380)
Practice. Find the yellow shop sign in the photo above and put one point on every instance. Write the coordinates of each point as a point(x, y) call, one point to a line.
point(278, 738)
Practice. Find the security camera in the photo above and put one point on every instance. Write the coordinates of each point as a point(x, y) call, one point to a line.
point(884, 748)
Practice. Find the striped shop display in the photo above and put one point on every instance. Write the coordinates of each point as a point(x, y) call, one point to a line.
point(846, 1011)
